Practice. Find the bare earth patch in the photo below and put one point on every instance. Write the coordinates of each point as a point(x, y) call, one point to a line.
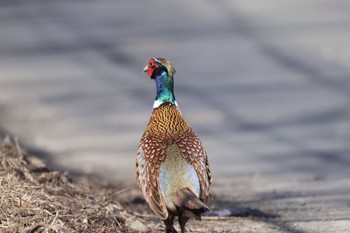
point(34, 198)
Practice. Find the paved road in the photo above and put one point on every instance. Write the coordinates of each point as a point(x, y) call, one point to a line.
point(266, 84)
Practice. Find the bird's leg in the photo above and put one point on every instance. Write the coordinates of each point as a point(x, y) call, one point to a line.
point(182, 221)
point(169, 225)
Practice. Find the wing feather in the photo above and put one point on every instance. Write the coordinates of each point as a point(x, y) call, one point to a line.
point(147, 179)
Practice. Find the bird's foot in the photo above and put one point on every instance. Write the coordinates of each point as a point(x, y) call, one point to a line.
point(171, 230)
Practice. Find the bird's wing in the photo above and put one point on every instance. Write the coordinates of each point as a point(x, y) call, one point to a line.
point(149, 156)
point(192, 150)
point(207, 168)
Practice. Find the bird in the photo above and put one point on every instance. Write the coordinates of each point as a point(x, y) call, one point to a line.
point(172, 168)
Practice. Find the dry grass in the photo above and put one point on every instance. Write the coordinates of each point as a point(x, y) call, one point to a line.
point(35, 199)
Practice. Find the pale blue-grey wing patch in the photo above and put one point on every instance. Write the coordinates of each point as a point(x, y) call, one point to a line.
point(176, 173)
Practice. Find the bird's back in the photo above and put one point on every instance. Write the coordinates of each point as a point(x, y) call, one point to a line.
point(174, 158)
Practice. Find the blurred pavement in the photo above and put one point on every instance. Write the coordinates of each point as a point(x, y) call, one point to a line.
point(266, 84)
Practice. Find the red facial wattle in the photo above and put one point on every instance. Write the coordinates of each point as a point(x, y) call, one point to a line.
point(152, 64)
point(150, 71)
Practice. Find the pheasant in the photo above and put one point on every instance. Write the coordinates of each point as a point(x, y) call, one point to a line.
point(172, 166)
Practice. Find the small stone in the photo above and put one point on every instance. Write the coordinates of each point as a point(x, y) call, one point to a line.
point(219, 229)
point(138, 226)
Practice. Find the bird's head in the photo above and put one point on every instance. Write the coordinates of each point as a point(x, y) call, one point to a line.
point(157, 65)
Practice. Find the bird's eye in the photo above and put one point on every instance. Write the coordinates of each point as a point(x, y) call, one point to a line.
point(152, 65)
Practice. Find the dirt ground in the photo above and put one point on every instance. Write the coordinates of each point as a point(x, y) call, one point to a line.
point(34, 198)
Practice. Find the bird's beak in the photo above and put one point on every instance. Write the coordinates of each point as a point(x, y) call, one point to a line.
point(145, 69)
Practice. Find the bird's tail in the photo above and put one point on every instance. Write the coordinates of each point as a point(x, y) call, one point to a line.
point(189, 204)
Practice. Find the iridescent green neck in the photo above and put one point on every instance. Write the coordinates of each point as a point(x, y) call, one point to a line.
point(165, 90)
